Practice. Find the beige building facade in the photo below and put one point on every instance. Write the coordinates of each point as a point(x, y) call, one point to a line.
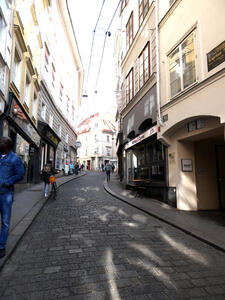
point(192, 97)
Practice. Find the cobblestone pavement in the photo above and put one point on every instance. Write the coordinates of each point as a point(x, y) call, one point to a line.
point(88, 245)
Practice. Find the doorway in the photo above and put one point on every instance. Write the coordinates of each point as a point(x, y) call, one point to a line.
point(220, 158)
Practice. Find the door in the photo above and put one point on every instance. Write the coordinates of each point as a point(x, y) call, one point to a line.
point(220, 153)
point(89, 164)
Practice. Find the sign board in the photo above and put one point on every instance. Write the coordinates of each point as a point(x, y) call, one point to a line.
point(216, 56)
point(186, 165)
point(142, 137)
point(77, 144)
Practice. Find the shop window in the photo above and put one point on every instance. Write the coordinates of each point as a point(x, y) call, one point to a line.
point(182, 66)
point(5, 128)
point(157, 173)
point(22, 150)
point(17, 66)
point(43, 110)
point(144, 65)
point(143, 10)
point(27, 94)
point(130, 86)
point(129, 31)
point(158, 151)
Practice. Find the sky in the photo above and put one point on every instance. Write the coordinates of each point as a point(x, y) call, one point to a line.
point(84, 14)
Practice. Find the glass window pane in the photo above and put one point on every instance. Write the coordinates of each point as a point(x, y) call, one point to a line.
point(188, 61)
point(175, 72)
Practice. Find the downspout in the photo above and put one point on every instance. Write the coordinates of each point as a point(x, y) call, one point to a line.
point(158, 95)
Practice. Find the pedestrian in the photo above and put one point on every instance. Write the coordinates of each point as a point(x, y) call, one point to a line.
point(76, 168)
point(11, 171)
point(113, 168)
point(67, 169)
point(71, 167)
point(82, 167)
point(108, 169)
point(46, 173)
point(102, 167)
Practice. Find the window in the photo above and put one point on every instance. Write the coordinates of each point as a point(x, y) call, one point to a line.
point(17, 63)
point(27, 93)
point(123, 4)
point(171, 2)
point(108, 151)
point(59, 130)
point(182, 66)
point(129, 31)
point(67, 138)
point(43, 110)
point(61, 90)
point(144, 65)
point(1, 26)
point(53, 72)
point(47, 53)
point(96, 138)
point(96, 125)
point(143, 10)
point(34, 105)
point(129, 86)
point(96, 150)
point(51, 121)
point(107, 138)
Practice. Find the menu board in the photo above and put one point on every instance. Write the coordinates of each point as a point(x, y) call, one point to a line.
point(216, 56)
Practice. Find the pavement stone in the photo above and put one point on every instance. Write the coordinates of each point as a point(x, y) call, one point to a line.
point(102, 248)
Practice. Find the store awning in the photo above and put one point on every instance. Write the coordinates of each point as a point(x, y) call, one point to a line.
point(48, 134)
point(141, 137)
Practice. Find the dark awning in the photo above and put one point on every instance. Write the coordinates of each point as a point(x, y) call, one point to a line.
point(48, 134)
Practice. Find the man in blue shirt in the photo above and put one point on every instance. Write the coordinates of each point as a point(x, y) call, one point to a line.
point(11, 171)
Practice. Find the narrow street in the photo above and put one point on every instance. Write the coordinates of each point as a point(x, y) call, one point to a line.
point(88, 245)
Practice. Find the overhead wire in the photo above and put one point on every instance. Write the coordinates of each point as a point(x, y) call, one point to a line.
point(92, 44)
point(107, 33)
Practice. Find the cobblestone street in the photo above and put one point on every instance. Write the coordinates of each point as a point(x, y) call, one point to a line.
point(88, 245)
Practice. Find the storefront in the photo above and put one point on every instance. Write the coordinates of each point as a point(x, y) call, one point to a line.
point(26, 140)
point(49, 143)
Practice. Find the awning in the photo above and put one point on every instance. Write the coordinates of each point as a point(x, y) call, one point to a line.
point(141, 137)
point(48, 134)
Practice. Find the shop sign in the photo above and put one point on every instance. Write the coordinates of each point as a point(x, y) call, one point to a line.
point(20, 118)
point(142, 137)
point(216, 56)
point(186, 165)
point(53, 138)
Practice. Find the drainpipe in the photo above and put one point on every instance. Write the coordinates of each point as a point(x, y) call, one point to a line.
point(157, 62)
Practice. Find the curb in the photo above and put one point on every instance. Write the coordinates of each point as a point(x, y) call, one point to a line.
point(21, 228)
point(193, 234)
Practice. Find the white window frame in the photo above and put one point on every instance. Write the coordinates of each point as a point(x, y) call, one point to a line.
point(67, 138)
point(181, 65)
point(27, 90)
point(60, 130)
point(43, 110)
point(34, 104)
point(17, 68)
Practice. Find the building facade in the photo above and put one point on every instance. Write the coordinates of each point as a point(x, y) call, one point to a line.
point(142, 158)
point(6, 28)
point(20, 119)
point(41, 81)
point(61, 86)
point(192, 85)
point(97, 135)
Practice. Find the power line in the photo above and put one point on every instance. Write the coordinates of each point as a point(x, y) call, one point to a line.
point(107, 33)
point(92, 44)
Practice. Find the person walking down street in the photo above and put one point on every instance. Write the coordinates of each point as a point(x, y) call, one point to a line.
point(113, 168)
point(108, 169)
point(67, 168)
point(11, 171)
point(46, 173)
point(71, 166)
point(82, 167)
point(102, 168)
point(76, 168)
